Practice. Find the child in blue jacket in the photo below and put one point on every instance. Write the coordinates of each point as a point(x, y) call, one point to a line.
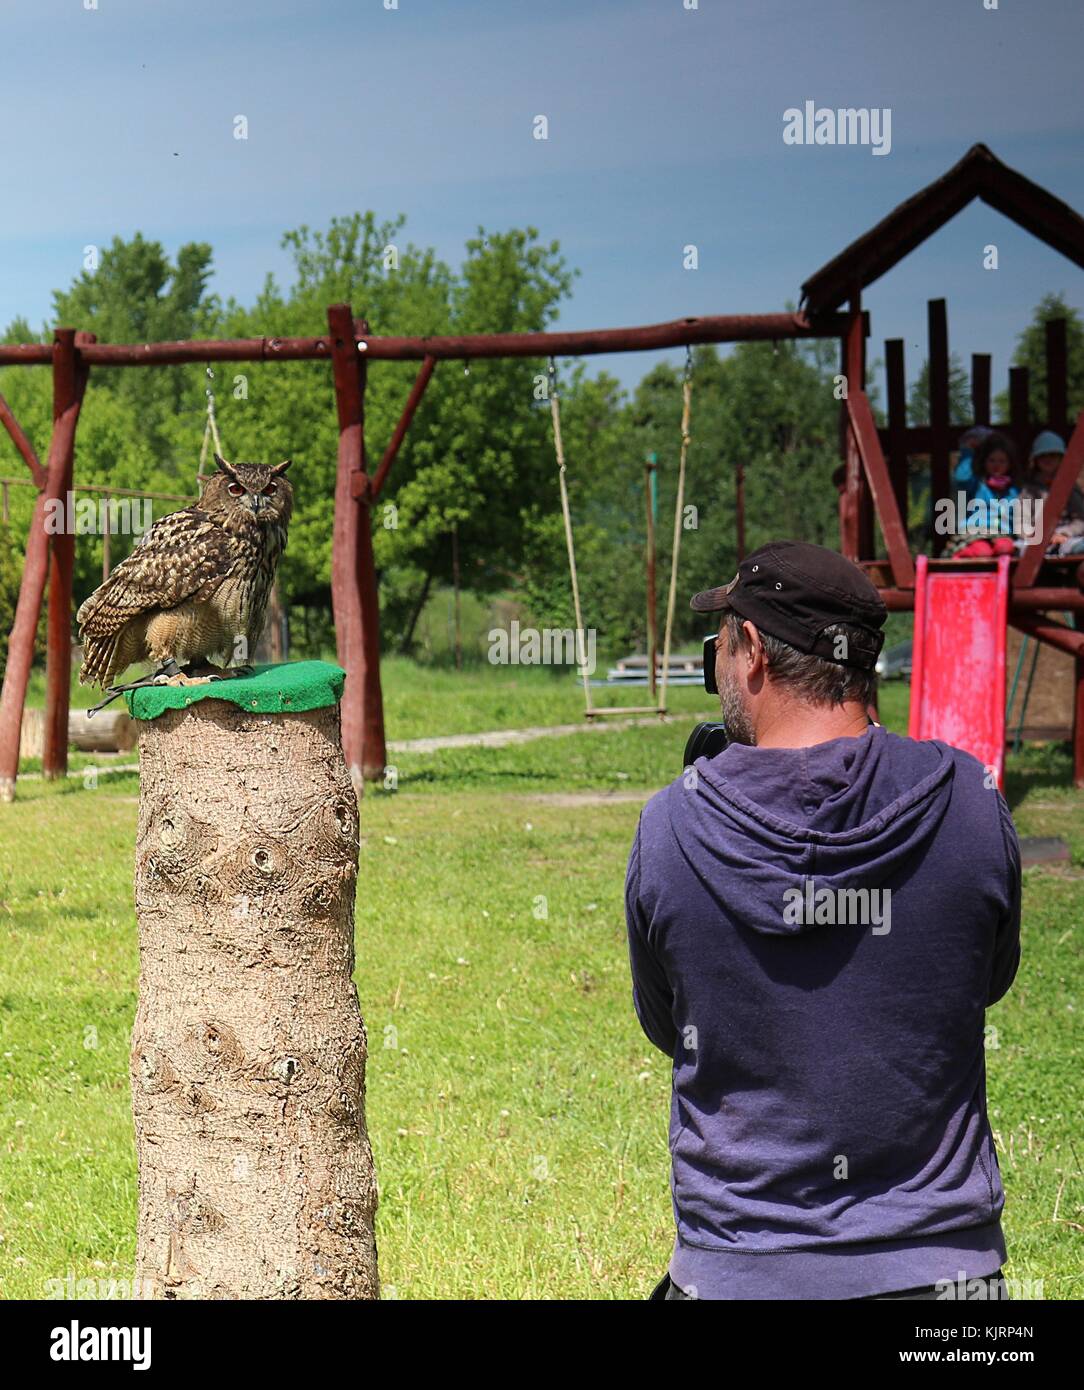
point(987, 478)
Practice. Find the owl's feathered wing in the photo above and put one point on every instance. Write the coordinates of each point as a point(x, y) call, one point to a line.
point(184, 555)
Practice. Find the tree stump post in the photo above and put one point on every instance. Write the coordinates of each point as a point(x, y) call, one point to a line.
point(248, 1052)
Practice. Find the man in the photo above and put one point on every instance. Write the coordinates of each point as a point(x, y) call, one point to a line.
point(818, 918)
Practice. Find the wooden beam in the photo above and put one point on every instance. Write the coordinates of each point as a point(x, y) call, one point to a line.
point(1078, 723)
point(349, 373)
point(938, 375)
point(849, 538)
point(69, 384)
point(708, 328)
point(980, 388)
point(417, 391)
point(884, 499)
point(1055, 502)
point(1019, 409)
point(1057, 410)
point(353, 571)
point(896, 392)
point(1025, 602)
point(31, 592)
point(22, 443)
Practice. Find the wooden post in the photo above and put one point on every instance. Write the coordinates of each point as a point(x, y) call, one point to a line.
point(1078, 723)
point(104, 505)
point(1057, 366)
point(69, 383)
point(938, 379)
point(650, 466)
point(1020, 409)
point(32, 586)
point(354, 596)
point(248, 1051)
point(896, 383)
point(856, 512)
point(980, 388)
point(22, 443)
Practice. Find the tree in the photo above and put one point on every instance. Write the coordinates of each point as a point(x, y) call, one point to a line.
point(1031, 353)
point(918, 399)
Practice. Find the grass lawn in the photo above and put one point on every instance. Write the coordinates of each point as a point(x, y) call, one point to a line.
point(517, 1113)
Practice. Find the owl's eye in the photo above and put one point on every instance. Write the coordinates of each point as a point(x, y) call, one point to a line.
point(235, 489)
point(269, 490)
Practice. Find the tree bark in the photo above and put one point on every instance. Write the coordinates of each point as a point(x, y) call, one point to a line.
point(248, 1053)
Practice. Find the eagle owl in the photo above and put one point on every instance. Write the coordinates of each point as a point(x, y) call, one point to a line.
point(199, 578)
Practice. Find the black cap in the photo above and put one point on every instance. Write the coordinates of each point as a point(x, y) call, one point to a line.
point(793, 591)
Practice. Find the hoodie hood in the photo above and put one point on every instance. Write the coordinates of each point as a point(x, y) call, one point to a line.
point(842, 815)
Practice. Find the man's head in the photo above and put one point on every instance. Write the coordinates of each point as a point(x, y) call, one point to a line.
point(800, 629)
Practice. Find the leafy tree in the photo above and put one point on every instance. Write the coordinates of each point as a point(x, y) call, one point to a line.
point(1031, 353)
point(960, 408)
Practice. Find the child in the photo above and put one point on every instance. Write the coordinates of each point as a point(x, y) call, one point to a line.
point(1046, 455)
point(988, 478)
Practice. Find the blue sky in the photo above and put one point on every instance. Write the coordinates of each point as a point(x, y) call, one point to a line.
point(665, 128)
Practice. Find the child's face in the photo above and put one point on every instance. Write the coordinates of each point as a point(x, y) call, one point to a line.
point(997, 462)
point(1046, 465)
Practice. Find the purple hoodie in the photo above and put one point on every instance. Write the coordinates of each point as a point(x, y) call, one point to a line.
point(828, 1126)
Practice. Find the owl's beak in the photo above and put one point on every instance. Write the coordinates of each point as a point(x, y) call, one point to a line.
point(256, 502)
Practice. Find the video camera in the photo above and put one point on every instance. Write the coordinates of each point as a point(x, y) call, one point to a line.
point(706, 740)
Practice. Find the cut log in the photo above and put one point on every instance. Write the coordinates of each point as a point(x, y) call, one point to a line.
point(108, 731)
point(32, 733)
point(248, 1052)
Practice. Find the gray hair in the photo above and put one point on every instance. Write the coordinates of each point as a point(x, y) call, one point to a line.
point(811, 678)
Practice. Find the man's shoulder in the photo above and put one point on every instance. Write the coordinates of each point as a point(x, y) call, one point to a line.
point(655, 818)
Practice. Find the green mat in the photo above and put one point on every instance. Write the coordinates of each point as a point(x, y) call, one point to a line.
point(294, 685)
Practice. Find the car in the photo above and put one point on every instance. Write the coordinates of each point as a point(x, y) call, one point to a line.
point(895, 663)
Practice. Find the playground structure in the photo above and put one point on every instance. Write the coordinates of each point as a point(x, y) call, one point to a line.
point(874, 474)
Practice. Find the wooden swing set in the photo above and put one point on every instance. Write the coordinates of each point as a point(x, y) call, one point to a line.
point(349, 346)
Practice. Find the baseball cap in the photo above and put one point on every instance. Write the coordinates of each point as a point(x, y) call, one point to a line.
point(794, 591)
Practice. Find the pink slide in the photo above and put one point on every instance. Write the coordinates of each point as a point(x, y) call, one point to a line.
point(958, 664)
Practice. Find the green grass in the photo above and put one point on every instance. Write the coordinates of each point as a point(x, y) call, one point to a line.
point(517, 1113)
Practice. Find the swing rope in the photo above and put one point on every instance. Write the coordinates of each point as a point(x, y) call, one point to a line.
point(210, 432)
point(686, 408)
point(555, 414)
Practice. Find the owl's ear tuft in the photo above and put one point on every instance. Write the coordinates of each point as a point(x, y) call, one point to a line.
point(224, 467)
point(280, 468)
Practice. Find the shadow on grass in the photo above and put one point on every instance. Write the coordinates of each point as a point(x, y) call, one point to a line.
point(1040, 768)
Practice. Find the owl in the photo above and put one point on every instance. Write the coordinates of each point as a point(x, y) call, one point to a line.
point(198, 579)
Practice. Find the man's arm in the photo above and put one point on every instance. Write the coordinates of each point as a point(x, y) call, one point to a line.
point(1007, 942)
point(652, 997)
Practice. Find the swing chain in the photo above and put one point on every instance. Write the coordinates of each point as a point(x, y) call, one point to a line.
point(687, 376)
point(554, 393)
